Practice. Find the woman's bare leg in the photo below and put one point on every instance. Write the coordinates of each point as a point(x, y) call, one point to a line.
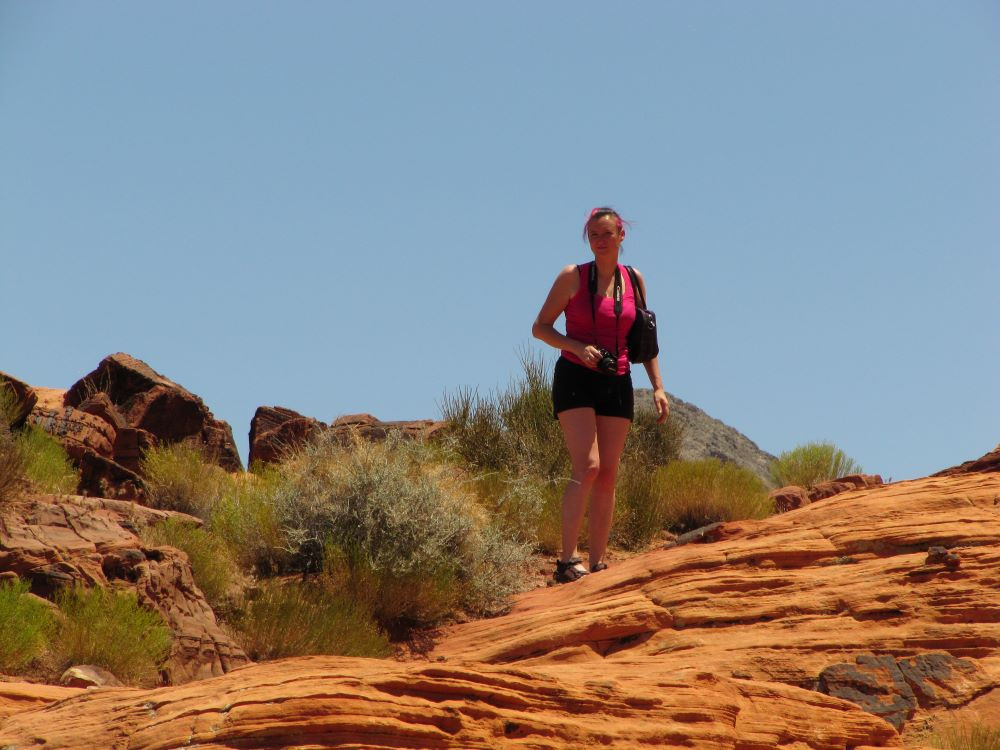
point(579, 428)
point(611, 434)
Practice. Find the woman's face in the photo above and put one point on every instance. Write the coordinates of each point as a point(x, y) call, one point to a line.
point(604, 235)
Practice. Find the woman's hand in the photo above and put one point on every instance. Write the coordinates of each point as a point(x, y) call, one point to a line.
point(662, 405)
point(588, 354)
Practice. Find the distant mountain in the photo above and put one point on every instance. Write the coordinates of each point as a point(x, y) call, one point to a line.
point(707, 437)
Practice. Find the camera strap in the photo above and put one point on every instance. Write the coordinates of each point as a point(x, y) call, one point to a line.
point(618, 296)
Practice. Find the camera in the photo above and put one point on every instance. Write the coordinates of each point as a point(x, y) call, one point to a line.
point(607, 364)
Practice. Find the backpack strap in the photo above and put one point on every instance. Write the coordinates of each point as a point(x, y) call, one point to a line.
point(636, 287)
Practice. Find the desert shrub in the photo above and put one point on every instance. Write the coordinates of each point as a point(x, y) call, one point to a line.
point(297, 618)
point(246, 518)
point(528, 507)
point(179, 478)
point(512, 430)
point(46, 464)
point(810, 464)
point(966, 736)
point(110, 629)
point(26, 625)
point(697, 493)
point(400, 518)
point(12, 466)
point(649, 444)
point(213, 563)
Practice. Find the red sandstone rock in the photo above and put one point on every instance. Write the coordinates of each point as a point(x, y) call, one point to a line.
point(275, 430)
point(151, 402)
point(989, 462)
point(370, 428)
point(789, 498)
point(833, 487)
point(22, 395)
point(78, 431)
point(59, 541)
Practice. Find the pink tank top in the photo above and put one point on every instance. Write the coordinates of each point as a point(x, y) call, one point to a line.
point(580, 324)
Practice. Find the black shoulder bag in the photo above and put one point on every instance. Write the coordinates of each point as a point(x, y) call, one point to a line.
point(641, 337)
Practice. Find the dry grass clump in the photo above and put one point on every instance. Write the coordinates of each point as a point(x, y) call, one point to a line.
point(26, 625)
point(110, 629)
point(967, 736)
point(696, 493)
point(811, 464)
point(245, 516)
point(296, 618)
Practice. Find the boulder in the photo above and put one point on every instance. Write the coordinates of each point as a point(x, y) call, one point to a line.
point(370, 428)
point(989, 462)
point(60, 541)
point(792, 497)
point(275, 430)
point(789, 498)
point(22, 397)
point(149, 401)
point(88, 676)
point(78, 431)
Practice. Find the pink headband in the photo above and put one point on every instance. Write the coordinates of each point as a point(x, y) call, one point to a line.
point(604, 211)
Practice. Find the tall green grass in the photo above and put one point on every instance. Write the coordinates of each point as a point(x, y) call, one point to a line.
point(967, 736)
point(812, 463)
point(179, 478)
point(110, 629)
point(26, 625)
point(297, 618)
point(696, 493)
point(12, 467)
point(213, 563)
point(47, 466)
point(245, 516)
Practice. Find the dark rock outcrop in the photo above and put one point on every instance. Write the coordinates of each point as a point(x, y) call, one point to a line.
point(148, 401)
point(707, 437)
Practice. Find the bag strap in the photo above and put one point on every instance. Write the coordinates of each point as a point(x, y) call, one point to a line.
point(618, 295)
point(636, 288)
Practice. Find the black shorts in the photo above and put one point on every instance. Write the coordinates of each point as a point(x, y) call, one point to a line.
point(575, 386)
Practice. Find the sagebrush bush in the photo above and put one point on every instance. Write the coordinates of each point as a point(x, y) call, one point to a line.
point(400, 516)
point(639, 507)
point(12, 468)
point(110, 629)
point(213, 562)
point(297, 618)
point(179, 478)
point(697, 493)
point(967, 736)
point(47, 466)
point(26, 624)
point(810, 464)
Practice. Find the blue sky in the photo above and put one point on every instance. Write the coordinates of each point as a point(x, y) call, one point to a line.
point(359, 207)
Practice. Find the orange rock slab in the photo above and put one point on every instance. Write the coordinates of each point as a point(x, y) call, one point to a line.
point(331, 702)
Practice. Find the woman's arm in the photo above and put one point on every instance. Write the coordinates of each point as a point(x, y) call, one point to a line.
point(565, 286)
point(653, 369)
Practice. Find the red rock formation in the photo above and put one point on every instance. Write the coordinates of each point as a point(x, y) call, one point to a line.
point(59, 541)
point(989, 462)
point(792, 497)
point(370, 428)
point(275, 430)
point(149, 401)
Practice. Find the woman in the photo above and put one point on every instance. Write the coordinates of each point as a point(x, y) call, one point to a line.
point(592, 386)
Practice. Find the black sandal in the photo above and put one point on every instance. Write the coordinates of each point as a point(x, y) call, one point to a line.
point(567, 572)
point(598, 567)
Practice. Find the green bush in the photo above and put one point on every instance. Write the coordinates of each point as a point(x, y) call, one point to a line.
point(967, 736)
point(112, 630)
point(213, 563)
point(246, 518)
point(26, 625)
point(639, 507)
point(179, 478)
point(12, 468)
point(299, 618)
point(400, 517)
point(697, 493)
point(46, 464)
point(810, 464)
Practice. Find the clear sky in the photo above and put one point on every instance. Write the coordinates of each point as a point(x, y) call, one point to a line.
point(359, 207)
